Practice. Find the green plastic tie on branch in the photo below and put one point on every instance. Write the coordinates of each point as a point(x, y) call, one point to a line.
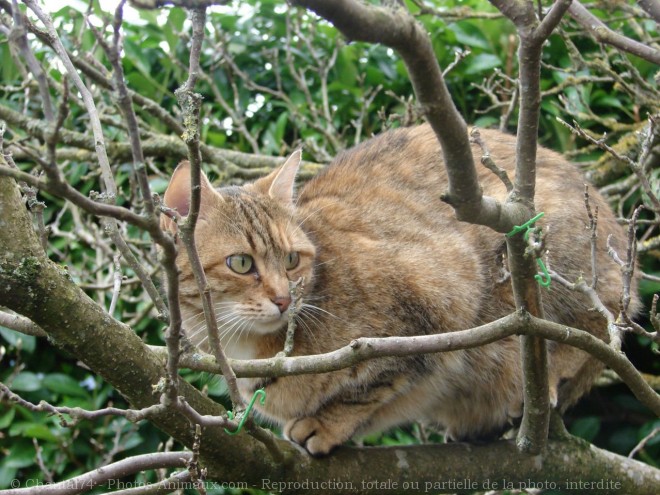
point(260, 392)
point(544, 279)
point(527, 226)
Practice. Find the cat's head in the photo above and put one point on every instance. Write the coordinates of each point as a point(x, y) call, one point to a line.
point(250, 245)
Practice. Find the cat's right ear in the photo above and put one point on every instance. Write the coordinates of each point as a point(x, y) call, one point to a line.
point(280, 183)
point(177, 195)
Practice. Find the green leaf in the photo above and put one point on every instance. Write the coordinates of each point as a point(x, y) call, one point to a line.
point(345, 69)
point(133, 440)
point(623, 440)
point(474, 38)
point(486, 122)
point(280, 127)
point(26, 381)
point(21, 455)
point(40, 432)
point(63, 384)
point(7, 475)
point(482, 62)
point(586, 428)
point(7, 418)
point(174, 24)
point(16, 339)
point(217, 386)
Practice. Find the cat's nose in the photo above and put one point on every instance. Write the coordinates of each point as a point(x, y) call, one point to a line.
point(282, 302)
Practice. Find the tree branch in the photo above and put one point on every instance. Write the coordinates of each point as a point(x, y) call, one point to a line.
point(20, 37)
point(604, 34)
point(651, 7)
point(27, 284)
point(365, 348)
point(232, 163)
point(190, 103)
point(21, 324)
point(535, 423)
point(393, 26)
point(100, 476)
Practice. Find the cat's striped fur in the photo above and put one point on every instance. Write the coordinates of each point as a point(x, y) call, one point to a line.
point(382, 255)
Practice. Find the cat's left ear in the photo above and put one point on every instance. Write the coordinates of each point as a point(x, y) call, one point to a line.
point(280, 183)
point(177, 195)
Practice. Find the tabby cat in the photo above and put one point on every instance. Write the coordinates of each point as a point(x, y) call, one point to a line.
point(382, 255)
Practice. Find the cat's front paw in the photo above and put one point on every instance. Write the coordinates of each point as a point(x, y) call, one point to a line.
point(311, 434)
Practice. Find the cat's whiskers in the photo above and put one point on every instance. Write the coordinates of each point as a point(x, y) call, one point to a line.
point(203, 341)
point(309, 317)
point(237, 331)
point(185, 322)
point(194, 331)
point(304, 325)
point(191, 324)
point(245, 330)
point(311, 309)
point(228, 322)
point(231, 333)
point(197, 328)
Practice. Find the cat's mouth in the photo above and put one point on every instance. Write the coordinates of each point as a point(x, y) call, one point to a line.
point(237, 321)
point(268, 325)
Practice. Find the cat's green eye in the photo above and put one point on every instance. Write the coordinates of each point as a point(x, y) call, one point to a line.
point(291, 260)
point(240, 263)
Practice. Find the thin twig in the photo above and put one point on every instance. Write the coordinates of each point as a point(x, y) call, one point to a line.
point(126, 107)
point(488, 162)
point(635, 167)
point(655, 432)
point(48, 475)
point(116, 288)
point(296, 290)
point(197, 473)
point(19, 36)
point(190, 103)
point(21, 324)
point(593, 228)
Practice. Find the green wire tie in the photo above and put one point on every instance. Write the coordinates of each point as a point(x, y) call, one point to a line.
point(261, 392)
point(527, 226)
point(544, 279)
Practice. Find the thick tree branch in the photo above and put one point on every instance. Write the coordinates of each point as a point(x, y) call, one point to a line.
point(604, 34)
point(651, 7)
